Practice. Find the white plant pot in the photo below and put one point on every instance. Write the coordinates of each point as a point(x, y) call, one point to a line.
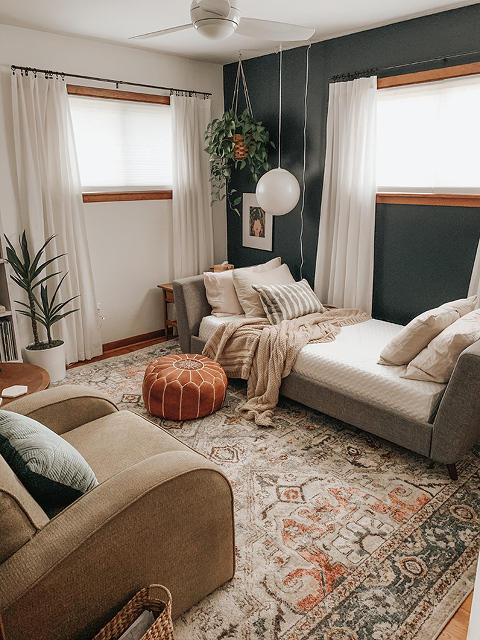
point(52, 360)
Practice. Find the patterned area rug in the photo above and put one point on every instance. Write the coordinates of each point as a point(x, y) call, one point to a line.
point(340, 535)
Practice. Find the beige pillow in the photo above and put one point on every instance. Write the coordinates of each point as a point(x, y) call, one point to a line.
point(221, 294)
point(417, 334)
point(248, 297)
point(437, 361)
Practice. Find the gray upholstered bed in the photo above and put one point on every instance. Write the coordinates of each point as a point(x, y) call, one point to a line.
point(454, 429)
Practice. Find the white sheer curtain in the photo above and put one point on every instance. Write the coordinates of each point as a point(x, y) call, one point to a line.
point(51, 202)
point(344, 269)
point(474, 288)
point(192, 214)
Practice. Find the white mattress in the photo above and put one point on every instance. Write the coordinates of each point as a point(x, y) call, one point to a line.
point(349, 364)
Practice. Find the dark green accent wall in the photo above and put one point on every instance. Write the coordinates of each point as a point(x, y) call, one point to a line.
point(423, 254)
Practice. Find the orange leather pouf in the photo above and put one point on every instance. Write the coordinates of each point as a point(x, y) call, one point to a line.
point(184, 387)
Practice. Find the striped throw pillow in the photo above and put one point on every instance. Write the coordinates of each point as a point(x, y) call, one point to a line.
point(287, 301)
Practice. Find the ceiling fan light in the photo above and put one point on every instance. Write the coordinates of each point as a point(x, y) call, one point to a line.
point(212, 24)
point(216, 28)
point(277, 192)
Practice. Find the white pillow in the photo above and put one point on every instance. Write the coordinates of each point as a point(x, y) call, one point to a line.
point(416, 335)
point(221, 294)
point(437, 361)
point(248, 297)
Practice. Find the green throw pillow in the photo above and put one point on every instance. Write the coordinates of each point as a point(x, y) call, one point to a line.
point(49, 467)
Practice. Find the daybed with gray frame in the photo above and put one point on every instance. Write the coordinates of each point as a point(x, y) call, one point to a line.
point(451, 432)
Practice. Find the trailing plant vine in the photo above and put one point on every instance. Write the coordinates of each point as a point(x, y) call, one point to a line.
point(233, 142)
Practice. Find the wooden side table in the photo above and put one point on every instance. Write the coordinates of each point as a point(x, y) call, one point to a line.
point(167, 297)
point(33, 377)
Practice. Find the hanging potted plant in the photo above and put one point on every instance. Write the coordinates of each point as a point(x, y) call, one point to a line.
point(44, 309)
point(235, 141)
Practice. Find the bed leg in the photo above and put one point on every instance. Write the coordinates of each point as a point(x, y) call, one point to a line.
point(452, 471)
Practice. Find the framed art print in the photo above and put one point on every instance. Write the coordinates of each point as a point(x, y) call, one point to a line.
point(257, 225)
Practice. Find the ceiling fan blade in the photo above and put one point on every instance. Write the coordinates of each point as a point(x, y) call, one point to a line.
point(269, 30)
point(162, 32)
point(218, 7)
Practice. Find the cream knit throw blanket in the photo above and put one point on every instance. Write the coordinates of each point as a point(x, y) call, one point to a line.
point(263, 354)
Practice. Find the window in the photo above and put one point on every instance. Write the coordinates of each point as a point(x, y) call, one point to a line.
point(124, 144)
point(428, 138)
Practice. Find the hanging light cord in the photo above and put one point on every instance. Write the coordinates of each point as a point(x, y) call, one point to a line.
point(280, 105)
point(304, 162)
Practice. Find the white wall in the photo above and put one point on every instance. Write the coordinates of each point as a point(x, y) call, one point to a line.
point(128, 241)
point(474, 623)
point(128, 272)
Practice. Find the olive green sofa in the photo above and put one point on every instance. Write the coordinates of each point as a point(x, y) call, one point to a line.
point(162, 513)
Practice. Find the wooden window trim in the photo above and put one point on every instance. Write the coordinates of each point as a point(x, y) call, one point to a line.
point(116, 94)
point(432, 199)
point(126, 196)
point(429, 76)
point(132, 96)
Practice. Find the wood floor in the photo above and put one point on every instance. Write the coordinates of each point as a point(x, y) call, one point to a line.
point(456, 629)
point(120, 351)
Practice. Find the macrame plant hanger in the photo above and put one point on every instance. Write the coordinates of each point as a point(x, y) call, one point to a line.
point(241, 150)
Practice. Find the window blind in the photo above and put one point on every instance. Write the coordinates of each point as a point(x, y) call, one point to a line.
point(428, 137)
point(121, 144)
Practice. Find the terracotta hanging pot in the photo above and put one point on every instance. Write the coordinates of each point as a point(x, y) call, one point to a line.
point(241, 151)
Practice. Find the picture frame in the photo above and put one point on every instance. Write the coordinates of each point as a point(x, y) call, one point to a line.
point(257, 225)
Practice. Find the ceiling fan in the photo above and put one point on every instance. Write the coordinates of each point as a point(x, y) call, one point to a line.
point(219, 19)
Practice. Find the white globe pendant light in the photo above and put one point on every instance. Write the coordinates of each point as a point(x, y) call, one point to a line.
point(278, 190)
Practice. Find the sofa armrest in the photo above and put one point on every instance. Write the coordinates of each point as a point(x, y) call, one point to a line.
point(456, 427)
point(167, 519)
point(65, 407)
point(191, 305)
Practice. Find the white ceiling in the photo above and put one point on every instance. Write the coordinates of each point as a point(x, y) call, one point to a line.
point(115, 21)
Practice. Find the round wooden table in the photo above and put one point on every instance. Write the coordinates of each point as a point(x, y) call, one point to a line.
point(33, 377)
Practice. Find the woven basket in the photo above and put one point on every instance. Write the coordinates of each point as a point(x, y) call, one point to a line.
point(240, 151)
point(156, 598)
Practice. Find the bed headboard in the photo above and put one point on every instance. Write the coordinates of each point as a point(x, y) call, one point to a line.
point(191, 306)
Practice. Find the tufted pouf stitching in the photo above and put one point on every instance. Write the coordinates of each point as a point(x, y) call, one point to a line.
point(184, 387)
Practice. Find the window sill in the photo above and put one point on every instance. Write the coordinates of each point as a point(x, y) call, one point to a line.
point(432, 199)
point(116, 196)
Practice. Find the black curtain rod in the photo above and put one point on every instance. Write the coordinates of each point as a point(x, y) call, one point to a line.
point(370, 72)
point(61, 74)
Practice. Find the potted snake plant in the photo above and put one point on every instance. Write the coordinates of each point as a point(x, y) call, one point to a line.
point(41, 307)
point(235, 141)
